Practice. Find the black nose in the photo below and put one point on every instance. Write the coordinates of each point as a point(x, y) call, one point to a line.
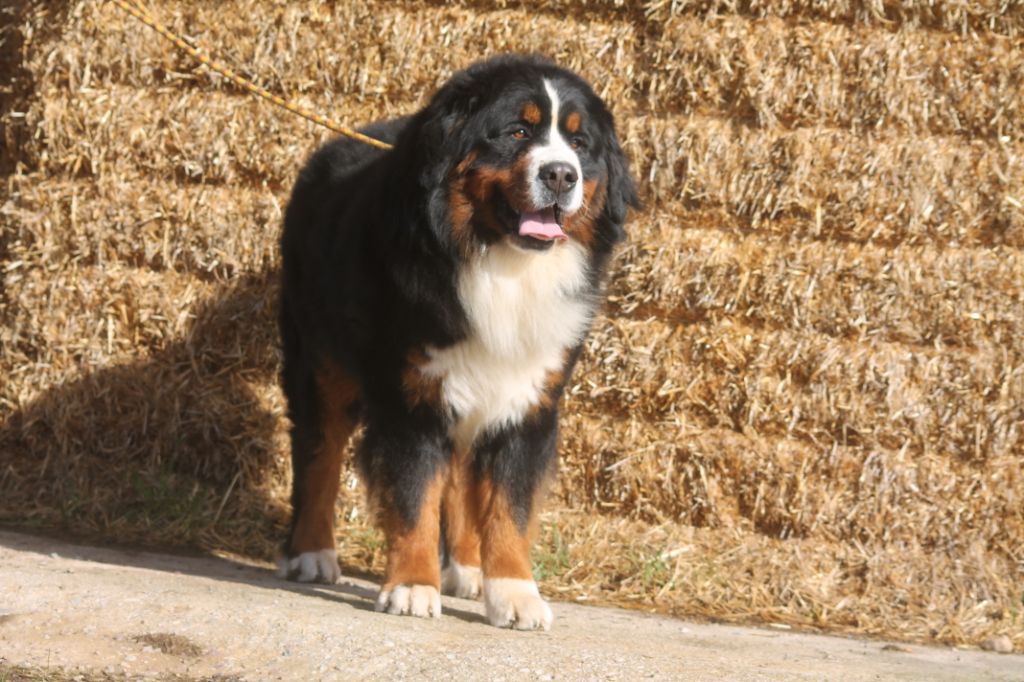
point(558, 176)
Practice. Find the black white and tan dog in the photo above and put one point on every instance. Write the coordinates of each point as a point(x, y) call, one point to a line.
point(439, 293)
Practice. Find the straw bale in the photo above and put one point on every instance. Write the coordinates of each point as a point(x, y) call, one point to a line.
point(774, 72)
point(195, 138)
point(956, 16)
point(823, 390)
point(803, 404)
point(206, 357)
point(731, 575)
point(815, 183)
point(929, 297)
point(754, 451)
point(393, 54)
point(212, 231)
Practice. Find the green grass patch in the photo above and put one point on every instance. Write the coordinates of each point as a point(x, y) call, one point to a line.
point(551, 554)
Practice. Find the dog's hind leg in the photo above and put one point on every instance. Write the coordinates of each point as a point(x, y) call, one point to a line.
point(321, 405)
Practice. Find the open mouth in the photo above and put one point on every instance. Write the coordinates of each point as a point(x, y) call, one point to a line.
point(537, 230)
point(545, 225)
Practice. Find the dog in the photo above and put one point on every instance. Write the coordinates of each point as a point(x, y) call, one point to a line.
point(439, 293)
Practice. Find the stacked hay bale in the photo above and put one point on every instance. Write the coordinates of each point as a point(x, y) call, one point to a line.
point(804, 403)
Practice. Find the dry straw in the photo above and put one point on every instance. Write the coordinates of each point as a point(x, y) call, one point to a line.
point(805, 401)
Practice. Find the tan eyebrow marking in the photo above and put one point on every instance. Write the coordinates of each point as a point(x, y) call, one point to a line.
point(531, 113)
point(572, 122)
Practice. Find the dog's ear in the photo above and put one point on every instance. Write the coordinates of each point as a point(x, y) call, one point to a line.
point(622, 193)
point(439, 142)
point(443, 120)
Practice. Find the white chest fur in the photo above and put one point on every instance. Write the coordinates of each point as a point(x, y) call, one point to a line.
point(525, 310)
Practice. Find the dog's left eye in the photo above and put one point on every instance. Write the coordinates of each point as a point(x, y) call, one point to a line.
point(577, 142)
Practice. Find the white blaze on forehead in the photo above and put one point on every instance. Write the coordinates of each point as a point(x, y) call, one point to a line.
point(554, 149)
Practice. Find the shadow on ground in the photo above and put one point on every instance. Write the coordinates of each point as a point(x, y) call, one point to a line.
point(352, 593)
point(182, 448)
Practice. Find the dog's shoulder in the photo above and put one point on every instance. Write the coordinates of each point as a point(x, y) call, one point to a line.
point(343, 157)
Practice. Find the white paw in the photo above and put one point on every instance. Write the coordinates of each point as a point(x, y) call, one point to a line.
point(461, 581)
point(516, 603)
point(422, 601)
point(321, 566)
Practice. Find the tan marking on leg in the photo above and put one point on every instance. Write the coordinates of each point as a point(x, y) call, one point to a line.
point(412, 552)
point(462, 514)
point(504, 548)
point(314, 527)
point(461, 577)
point(510, 593)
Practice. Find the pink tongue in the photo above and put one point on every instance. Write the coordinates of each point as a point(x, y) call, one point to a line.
point(540, 226)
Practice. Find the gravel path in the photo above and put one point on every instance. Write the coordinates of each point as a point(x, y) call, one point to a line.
point(95, 610)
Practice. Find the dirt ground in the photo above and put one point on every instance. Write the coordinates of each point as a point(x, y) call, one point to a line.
point(81, 612)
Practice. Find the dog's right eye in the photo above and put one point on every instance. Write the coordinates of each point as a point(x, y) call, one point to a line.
point(521, 133)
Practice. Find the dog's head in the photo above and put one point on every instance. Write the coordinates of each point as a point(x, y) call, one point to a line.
point(524, 151)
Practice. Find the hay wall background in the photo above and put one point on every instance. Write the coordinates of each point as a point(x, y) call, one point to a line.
point(805, 403)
